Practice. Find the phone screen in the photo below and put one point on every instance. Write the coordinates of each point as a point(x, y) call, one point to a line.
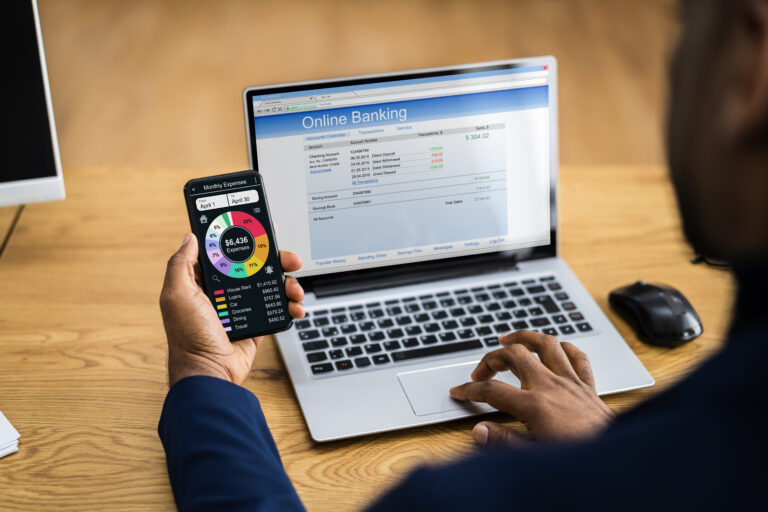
point(238, 258)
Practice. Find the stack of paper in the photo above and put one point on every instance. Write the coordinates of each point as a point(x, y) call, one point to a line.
point(9, 438)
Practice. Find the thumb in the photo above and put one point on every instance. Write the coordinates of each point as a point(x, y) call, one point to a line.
point(180, 266)
point(491, 433)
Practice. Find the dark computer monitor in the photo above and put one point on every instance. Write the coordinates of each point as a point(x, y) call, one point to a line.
point(30, 167)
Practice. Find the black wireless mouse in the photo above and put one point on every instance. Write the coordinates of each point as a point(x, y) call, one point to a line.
point(660, 314)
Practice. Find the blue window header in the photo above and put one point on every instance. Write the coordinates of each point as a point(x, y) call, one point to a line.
point(365, 116)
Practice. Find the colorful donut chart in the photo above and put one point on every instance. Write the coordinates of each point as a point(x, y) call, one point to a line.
point(246, 244)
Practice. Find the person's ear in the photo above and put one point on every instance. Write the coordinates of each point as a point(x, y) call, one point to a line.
point(749, 109)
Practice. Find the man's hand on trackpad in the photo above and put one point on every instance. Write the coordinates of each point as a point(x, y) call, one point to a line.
point(557, 399)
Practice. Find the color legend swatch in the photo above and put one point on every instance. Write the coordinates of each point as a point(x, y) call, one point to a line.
point(221, 307)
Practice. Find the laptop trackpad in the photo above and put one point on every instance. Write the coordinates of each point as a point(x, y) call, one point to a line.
point(427, 390)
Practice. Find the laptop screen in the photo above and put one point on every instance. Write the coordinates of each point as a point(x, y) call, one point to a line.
point(369, 172)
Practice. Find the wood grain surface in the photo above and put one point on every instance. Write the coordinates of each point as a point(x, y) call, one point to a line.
point(82, 349)
point(159, 82)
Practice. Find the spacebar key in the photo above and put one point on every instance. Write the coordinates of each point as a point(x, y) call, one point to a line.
point(435, 350)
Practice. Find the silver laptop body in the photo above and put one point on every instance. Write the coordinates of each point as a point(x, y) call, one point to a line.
point(424, 206)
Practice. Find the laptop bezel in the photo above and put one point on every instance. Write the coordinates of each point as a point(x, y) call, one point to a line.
point(490, 259)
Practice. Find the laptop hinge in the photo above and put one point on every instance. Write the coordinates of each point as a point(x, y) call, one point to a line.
point(387, 278)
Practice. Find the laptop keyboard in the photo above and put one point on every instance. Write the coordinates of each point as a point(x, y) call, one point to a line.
point(375, 334)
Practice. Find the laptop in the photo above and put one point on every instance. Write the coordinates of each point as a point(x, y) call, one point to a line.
point(424, 207)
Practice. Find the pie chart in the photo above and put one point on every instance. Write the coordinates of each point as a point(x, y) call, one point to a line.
point(236, 244)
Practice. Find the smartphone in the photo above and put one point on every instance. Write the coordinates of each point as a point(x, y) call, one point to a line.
point(239, 259)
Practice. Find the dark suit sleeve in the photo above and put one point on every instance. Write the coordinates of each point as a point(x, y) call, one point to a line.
point(219, 450)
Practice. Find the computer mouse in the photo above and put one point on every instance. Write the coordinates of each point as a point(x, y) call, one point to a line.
point(660, 314)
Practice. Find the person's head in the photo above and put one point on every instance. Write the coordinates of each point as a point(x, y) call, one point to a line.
point(718, 128)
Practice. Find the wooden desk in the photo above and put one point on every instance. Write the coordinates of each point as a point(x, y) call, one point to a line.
point(82, 349)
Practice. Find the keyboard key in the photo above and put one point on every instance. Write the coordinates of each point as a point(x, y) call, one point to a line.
point(338, 310)
point(381, 359)
point(491, 341)
point(509, 304)
point(450, 324)
point(410, 342)
point(458, 312)
point(442, 294)
point(316, 357)
point(320, 312)
point(373, 305)
point(503, 315)
point(339, 319)
point(315, 345)
point(535, 311)
point(467, 321)
point(554, 286)
point(425, 297)
point(367, 326)
point(584, 327)
point(432, 327)
point(339, 341)
point(510, 284)
point(501, 294)
point(395, 333)
point(372, 348)
point(392, 345)
point(356, 306)
point(429, 305)
point(559, 319)
point(482, 297)
point(517, 292)
point(502, 327)
point(477, 289)
point(348, 328)
point(493, 306)
point(494, 287)
point(376, 336)
point(362, 362)
point(358, 338)
point(412, 308)
point(528, 281)
point(309, 335)
point(439, 315)
point(576, 316)
point(569, 306)
point(460, 292)
point(484, 331)
point(547, 303)
point(540, 322)
point(536, 289)
point(525, 302)
point(465, 299)
point(376, 313)
point(465, 334)
point(344, 365)
point(561, 296)
point(436, 350)
point(447, 336)
point(520, 325)
point(550, 330)
point(394, 310)
point(520, 313)
point(428, 339)
point(447, 303)
point(302, 324)
point(318, 369)
point(421, 318)
point(392, 301)
point(385, 323)
point(567, 329)
point(336, 354)
point(547, 278)
point(330, 331)
point(358, 315)
point(404, 320)
point(413, 330)
point(319, 322)
point(474, 310)
point(353, 351)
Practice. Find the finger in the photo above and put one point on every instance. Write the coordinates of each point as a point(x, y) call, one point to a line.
point(495, 393)
point(516, 358)
point(180, 269)
point(293, 289)
point(550, 351)
point(290, 261)
point(580, 362)
point(491, 433)
point(296, 309)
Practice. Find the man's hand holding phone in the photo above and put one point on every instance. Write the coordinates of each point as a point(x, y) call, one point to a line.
point(197, 342)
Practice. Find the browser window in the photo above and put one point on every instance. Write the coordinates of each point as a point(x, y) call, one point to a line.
point(408, 170)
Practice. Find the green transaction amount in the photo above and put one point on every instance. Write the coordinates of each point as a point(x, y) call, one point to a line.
point(477, 136)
